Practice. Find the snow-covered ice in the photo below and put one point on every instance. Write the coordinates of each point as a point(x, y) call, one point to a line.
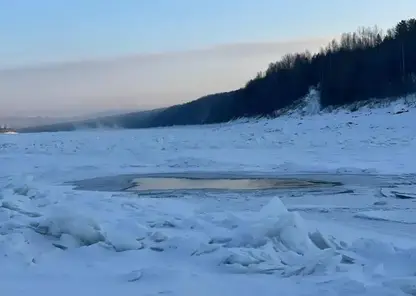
point(354, 240)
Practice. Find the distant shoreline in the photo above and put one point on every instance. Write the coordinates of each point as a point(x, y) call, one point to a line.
point(7, 131)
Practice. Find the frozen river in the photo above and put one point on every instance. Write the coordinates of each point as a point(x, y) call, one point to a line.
point(319, 205)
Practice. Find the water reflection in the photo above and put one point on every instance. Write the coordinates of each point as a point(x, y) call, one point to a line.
point(160, 183)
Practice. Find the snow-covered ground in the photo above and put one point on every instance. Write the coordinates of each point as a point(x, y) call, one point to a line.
point(362, 241)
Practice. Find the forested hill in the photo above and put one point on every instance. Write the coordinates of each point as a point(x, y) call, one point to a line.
point(359, 66)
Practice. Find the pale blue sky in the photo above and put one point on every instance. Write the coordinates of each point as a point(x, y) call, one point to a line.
point(33, 32)
point(238, 38)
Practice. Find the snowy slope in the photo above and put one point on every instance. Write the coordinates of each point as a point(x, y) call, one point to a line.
point(56, 240)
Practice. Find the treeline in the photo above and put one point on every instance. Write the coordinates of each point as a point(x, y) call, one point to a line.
point(359, 66)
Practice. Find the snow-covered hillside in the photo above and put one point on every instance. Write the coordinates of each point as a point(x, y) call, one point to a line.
point(358, 240)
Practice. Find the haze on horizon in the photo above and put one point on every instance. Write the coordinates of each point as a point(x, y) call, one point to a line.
point(77, 57)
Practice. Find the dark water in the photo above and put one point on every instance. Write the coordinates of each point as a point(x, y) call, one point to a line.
point(195, 181)
point(237, 181)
